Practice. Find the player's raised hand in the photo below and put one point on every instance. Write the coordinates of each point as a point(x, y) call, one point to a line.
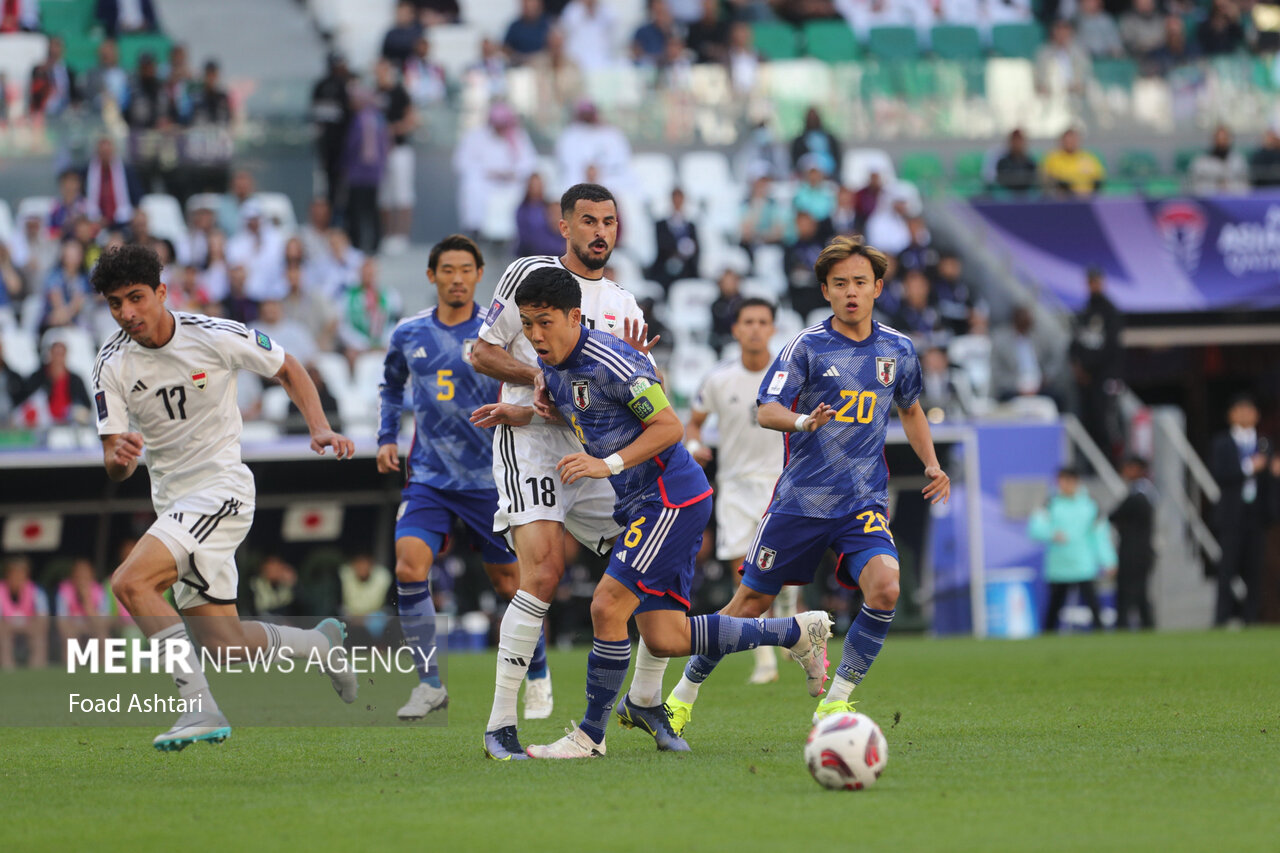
point(939, 488)
point(819, 416)
point(128, 449)
point(388, 458)
point(343, 447)
point(636, 333)
point(542, 398)
point(497, 414)
point(575, 466)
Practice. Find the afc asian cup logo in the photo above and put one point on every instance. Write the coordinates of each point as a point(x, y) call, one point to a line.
point(765, 561)
point(1182, 224)
point(886, 370)
point(581, 393)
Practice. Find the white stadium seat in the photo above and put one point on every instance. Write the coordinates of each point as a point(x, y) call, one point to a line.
point(279, 209)
point(787, 325)
point(690, 363)
point(6, 221)
point(39, 206)
point(21, 351)
point(275, 404)
point(455, 46)
point(859, 163)
point(768, 265)
point(689, 307)
point(654, 176)
point(164, 217)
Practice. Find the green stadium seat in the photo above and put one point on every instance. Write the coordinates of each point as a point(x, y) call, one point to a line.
point(953, 41)
point(1016, 40)
point(917, 81)
point(1183, 157)
point(1163, 187)
point(133, 46)
point(878, 81)
point(776, 40)
point(922, 168)
point(893, 43)
point(968, 165)
point(1263, 78)
point(1138, 165)
point(81, 51)
point(1115, 73)
point(830, 41)
point(66, 17)
point(1118, 187)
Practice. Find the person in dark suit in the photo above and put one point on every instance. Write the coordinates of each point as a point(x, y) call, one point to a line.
point(1238, 460)
point(1134, 521)
point(678, 247)
point(1096, 358)
point(140, 18)
point(111, 187)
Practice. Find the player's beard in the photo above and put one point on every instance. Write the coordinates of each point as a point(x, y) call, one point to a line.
point(590, 261)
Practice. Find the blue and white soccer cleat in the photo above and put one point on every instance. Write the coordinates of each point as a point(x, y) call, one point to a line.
point(193, 726)
point(656, 721)
point(504, 745)
point(341, 673)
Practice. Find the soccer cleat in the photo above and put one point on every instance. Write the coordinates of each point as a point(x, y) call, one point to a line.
point(679, 713)
point(826, 709)
point(811, 649)
point(575, 744)
point(656, 721)
point(504, 745)
point(424, 699)
point(341, 675)
point(538, 700)
point(194, 726)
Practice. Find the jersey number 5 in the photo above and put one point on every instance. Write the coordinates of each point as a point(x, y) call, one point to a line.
point(445, 383)
point(179, 394)
point(866, 403)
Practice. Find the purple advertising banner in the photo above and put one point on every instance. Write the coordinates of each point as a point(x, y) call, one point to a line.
point(1167, 255)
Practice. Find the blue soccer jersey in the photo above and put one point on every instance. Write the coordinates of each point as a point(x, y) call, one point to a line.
point(600, 392)
point(448, 452)
point(840, 467)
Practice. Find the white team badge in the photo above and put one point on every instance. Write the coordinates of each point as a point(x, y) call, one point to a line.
point(581, 393)
point(200, 378)
point(765, 561)
point(886, 370)
point(778, 382)
point(467, 346)
point(610, 320)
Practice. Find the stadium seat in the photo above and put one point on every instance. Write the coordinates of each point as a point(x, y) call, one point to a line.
point(6, 221)
point(259, 432)
point(924, 169)
point(690, 363)
point(830, 41)
point(275, 404)
point(654, 176)
point(81, 51)
point(635, 233)
point(164, 217)
point(279, 209)
point(689, 307)
point(500, 212)
point(786, 326)
point(1183, 157)
point(776, 40)
point(66, 17)
point(767, 265)
point(706, 175)
point(1137, 165)
point(38, 206)
point(21, 351)
point(1115, 73)
point(1163, 187)
point(133, 46)
point(893, 44)
point(455, 46)
point(972, 353)
point(859, 163)
point(81, 350)
point(956, 41)
point(491, 17)
point(772, 289)
point(1019, 41)
point(967, 177)
point(19, 53)
point(816, 316)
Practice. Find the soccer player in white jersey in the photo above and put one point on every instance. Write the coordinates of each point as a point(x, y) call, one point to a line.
point(165, 389)
point(534, 507)
point(748, 457)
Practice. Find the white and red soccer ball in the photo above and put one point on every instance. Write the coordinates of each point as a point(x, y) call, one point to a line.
point(846, 752)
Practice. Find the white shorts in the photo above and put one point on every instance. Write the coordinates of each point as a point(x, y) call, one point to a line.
point(529, 487)
point(396, 189)
point(202, 532)
point(739, 506)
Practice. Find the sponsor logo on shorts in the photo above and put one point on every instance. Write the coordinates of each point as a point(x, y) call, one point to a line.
point(886, 370)
point(765, 561)
point(581, 393)
point(200, 378)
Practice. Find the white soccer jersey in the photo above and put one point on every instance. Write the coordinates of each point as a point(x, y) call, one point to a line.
point(605, 305)
point(182, 398)
point(746, 449)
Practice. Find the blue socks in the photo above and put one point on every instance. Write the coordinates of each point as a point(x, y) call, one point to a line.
point(418, 622)
point(538, 663)
point(716, 636)
point(606, 670)
point(861, 645)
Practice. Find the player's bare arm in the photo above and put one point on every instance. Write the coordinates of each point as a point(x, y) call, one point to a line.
point(916, 426)
point(773, 415)
point(388, 458)
point(302, 391)
point(502, 414)
point(493, 360)
point(693, 439)
point(120, 454)
point(663, 430)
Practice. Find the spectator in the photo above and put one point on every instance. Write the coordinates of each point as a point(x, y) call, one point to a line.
point(149, 106)
point(138, 231)
point(81, 607)
point(587, 142)
point(1221, 33)
point(274, 589)
point(865, 201)
point(55, 394)
point(678, 248)
point(315, 232)
point(1177, 49)
point(258, 248)
point(110, 186)
point(201, 222)
point(588, 26)
point(24, 615)
point(1239, 461)
point(20, 16)
point(763, 220)
point(1142, 30)
point(537, 222)
point(53, 85)
point(210, 104)
point(1069, 170)
point(1062, 65)
point(676, 68)
point(1016, 169)
point(887, 228)
point(107, 82)
point(761, 153)
point(12, 384)
point(1023, 363)
point(13, 287)
point(424, 79)
point(365, 586)
point(952, 295)
point(919, 253)
point(187, 293)
point(34, 252)
point(238, 305)
point(725, 308)
point(338, 267)
point(649, 44)
point(1264, 164)
point(296, 338)
point(937, 392)
point(434, 13)
point(367, 313)
point(70, 204)
point(491, 69)
point(331, 113)
point(1078, 545)
point(310, 310)
point(1097, 32)
point(844, 219)
point(560, 80)
point(916, 317)
point(66, 290)
point(126, 16)
point(215, 277)
point(708, 33)
point(396, 194)
point(397, 44)
point(1007, 12)
point(1096, 360)
point(817, 141)
point(742, 59)
point(493, 158)
point(1220, 170)
point(231, 205)
point(1134, 522)
point(798, 258)
point(527, 34)
point(815, 195)
point(178, 86)
point(363, 163)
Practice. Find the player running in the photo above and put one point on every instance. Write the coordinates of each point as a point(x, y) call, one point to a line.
point(749, 460)
point(450, 463)
point(534, 507)
point(841, 376)
point(609, 395)
point(173, 374)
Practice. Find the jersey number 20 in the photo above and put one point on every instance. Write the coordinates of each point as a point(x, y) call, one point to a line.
point(864, 400)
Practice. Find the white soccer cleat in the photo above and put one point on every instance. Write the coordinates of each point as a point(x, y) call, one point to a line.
point(574, 744)
point(538, 700)
point(766, 669)
point(424, 699)
point(341, 674)
point(811, 650)
point(211, 727)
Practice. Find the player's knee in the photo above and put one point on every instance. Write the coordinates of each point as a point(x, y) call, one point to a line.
point(884, 594)
point(407, 572)
point(125, 587)
point(505, 584)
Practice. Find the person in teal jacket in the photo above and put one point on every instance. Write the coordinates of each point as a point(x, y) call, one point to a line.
point(1078, 543)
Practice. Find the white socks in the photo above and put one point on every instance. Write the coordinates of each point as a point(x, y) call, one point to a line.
point(193, 684)
point(686, 690)
point(295, 643)
point(518, 637)
point(839, 690)
point(646, 683)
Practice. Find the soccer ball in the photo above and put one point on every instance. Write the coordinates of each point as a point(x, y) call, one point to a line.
point(846, 752)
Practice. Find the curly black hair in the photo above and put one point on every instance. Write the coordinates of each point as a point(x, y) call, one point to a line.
point(123, 266)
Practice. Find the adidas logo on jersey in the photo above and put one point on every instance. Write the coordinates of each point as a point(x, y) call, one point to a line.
point(139, 386)
point(420, 352)
point(831, 371)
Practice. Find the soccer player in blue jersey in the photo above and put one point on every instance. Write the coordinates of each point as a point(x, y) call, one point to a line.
point(829, 391)
point(610, 396)
point(449, 470)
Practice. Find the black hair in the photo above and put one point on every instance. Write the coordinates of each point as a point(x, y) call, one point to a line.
point(454, 243)
point(126, 265)
point(755, 302)
point(1069, 471)
point(583, 192)
point(550, 287)
point(1134, 459)
point(1242, 399)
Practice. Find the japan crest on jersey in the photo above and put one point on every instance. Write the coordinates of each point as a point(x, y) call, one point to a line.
point(467, 346)
point(765, 561)
point(581, 393)
point(200, 378)
point(886, 370)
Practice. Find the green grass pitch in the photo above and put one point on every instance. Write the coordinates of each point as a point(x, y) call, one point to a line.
point(1113, 742)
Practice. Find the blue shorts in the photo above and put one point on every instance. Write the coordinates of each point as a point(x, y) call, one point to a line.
point(427, 513)
point(786, 549)
point(654, 556)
